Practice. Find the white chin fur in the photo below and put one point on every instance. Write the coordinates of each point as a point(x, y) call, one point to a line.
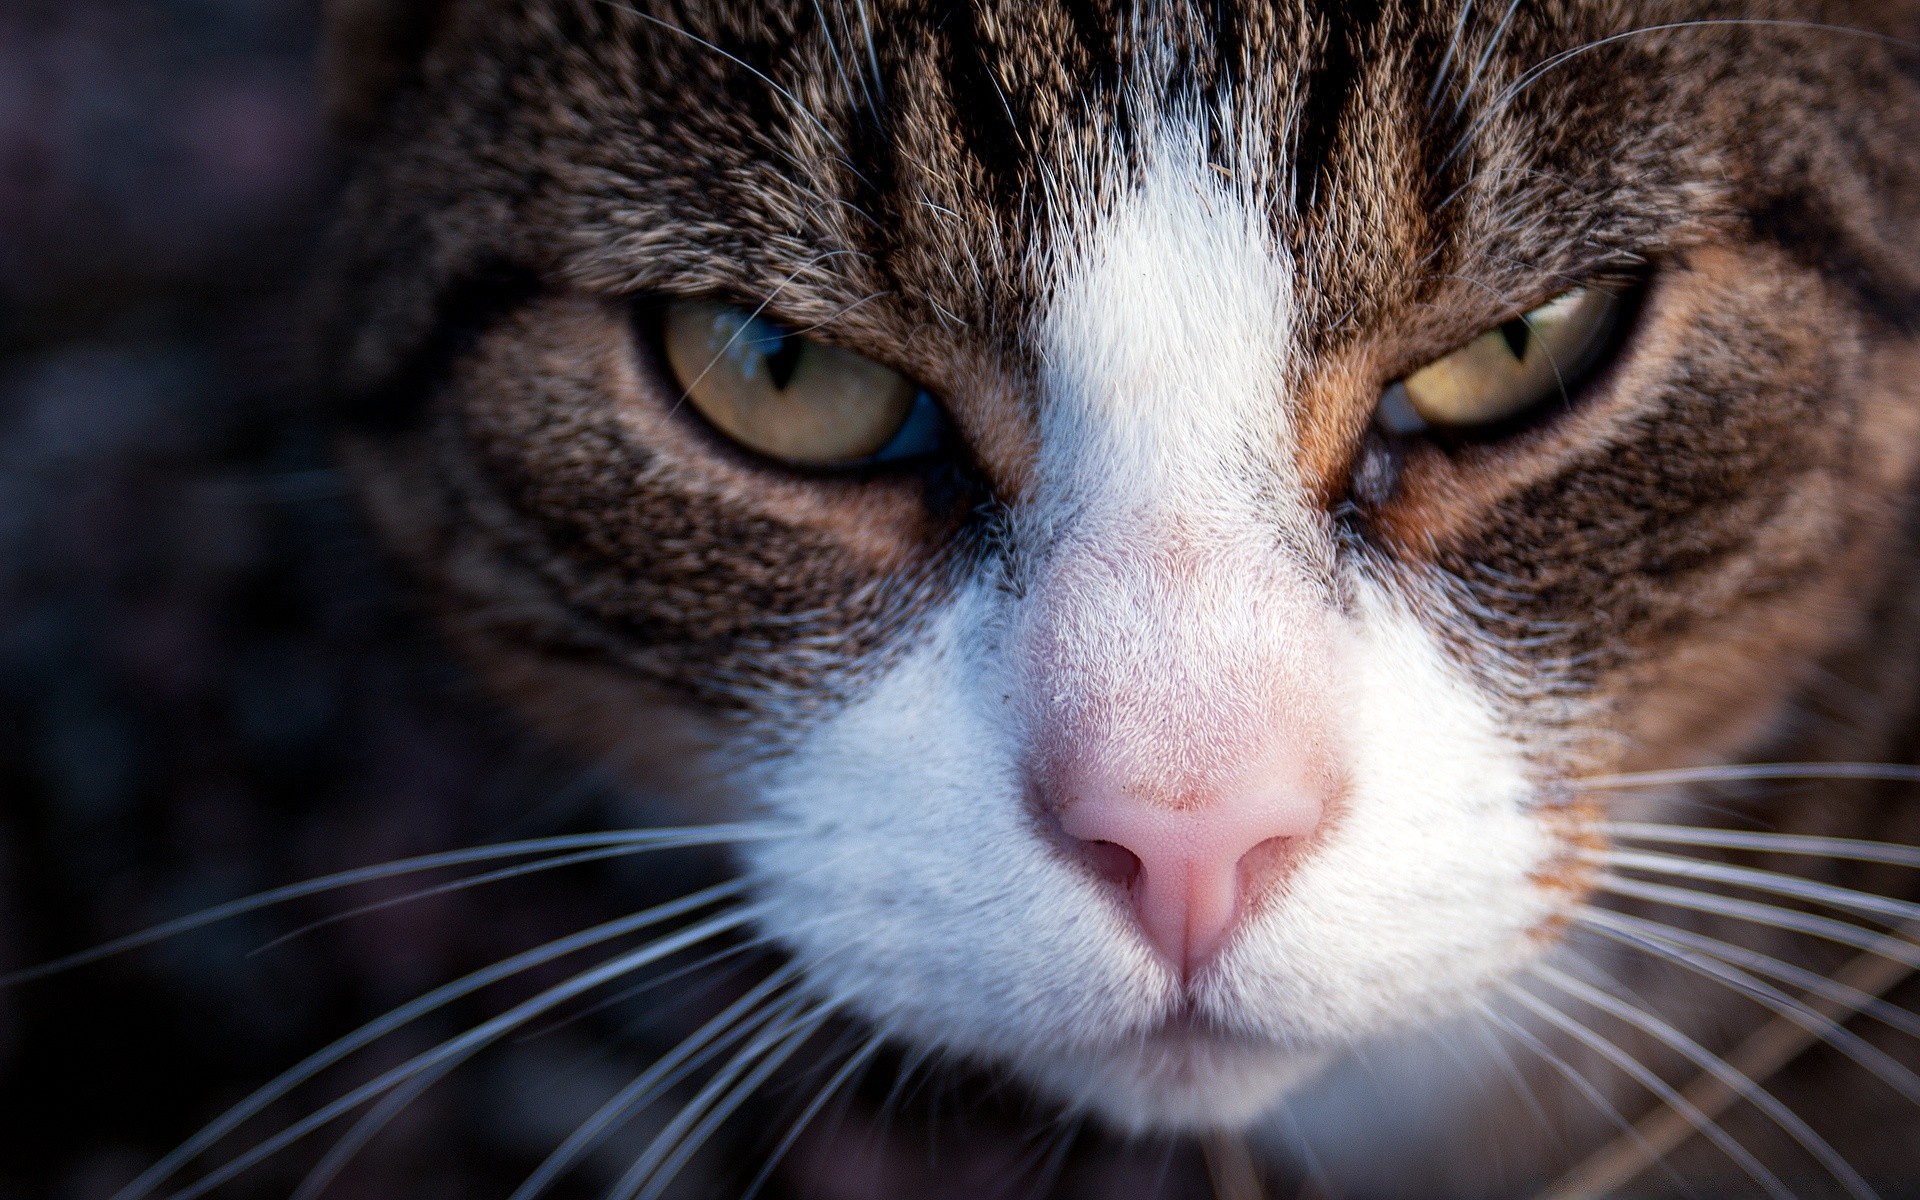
point(1176, 1084)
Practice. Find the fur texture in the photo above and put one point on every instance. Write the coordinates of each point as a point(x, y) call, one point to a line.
point(1158, 262)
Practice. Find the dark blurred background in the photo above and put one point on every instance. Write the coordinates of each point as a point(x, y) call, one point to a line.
point(207, 683)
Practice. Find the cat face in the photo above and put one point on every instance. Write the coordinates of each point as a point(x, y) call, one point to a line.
point(1206, 687)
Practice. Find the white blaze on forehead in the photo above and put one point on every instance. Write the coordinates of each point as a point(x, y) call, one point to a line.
point(1174, 628)
point(1164, 340)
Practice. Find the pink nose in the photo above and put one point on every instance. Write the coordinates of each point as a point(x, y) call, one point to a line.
point(1192, 871)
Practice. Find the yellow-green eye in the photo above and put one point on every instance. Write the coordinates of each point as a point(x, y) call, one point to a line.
point(1542, 355)
point(790, 397)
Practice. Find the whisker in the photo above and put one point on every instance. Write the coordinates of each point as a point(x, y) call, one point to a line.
point(636, 841)
point(499, 875)
point(1887, 945)
point(228, 1121)
point(1820, 1026)
point(1580, 1082)
point(1516, 1080)
point(1788, 1121)
point(699, 1136)
point(459, 1049)
point(1772, 882)
point(1851, 849)
point(1843, 996)
point(1769, 1048)
point(833, 51)
point(1486, 56)
point(735, 1021)
point(746, 945)
point(1568, 1189)
point(365, 1130)
point(1231, 1170)
point(722, 1095)
point(847, 1070)
point(1751, 772)
point(873, 56)
point(856, 1062)
point(1445, 71)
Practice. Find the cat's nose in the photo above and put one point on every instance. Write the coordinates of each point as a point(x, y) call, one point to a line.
point(1191, 869)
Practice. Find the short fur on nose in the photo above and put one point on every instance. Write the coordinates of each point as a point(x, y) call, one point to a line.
point(1194, 868)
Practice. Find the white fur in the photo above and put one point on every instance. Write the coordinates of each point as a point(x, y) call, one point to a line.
point(921, 892)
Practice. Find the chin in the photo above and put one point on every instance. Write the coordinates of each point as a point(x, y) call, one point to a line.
point(1177, 1081)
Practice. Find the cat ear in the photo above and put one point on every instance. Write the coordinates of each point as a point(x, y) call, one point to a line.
point(373, 51)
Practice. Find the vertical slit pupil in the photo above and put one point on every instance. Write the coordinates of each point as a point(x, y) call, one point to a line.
point(1518, 335)
point(784, 360)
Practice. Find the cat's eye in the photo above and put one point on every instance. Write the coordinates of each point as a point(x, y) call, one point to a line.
point(790, 397)
point(1509, 370)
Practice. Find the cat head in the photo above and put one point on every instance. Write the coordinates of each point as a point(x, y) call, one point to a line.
point(1161, 506)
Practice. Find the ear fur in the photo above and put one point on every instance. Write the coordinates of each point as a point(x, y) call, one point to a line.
point(373, 51)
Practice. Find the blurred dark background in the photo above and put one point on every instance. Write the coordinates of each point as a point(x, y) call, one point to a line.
point(208, 685)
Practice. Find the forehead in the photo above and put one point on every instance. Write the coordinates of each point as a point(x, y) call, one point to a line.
point(925, 149)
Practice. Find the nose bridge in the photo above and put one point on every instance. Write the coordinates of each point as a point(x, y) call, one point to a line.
point(1170, 648)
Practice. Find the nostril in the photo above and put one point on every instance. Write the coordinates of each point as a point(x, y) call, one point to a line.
point(1109, 860)
point(1265, 865)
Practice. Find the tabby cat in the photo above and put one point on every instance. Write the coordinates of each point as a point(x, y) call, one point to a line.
point(1211, 561)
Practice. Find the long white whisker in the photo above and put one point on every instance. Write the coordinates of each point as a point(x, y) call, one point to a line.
point(1441, 76)
point(1572, 1075)
point(500, 875)
point(1486, 56)
point(718, 1114)
point(1888, 945)
point(1765, 1051)
point(856, 1061)
point(873, 56)
point(1511, 1069)
point(735, 1021)
point(374, 1030)
point(365, 1130)
point(651, 983)
point(460, 1049)
point(799, 1012)
point(1843, 996)
point(1850, 849)
point(1789, 1121)
point(1752, 772)
point(1772, 882)
point(636, 841)
point(1661, 1089)
point(1822, 1026)
point(833, 51)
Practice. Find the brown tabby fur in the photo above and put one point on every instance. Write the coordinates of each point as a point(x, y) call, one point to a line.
point(1710, 557)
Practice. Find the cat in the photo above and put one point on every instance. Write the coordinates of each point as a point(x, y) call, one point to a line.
point(1214, 563)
